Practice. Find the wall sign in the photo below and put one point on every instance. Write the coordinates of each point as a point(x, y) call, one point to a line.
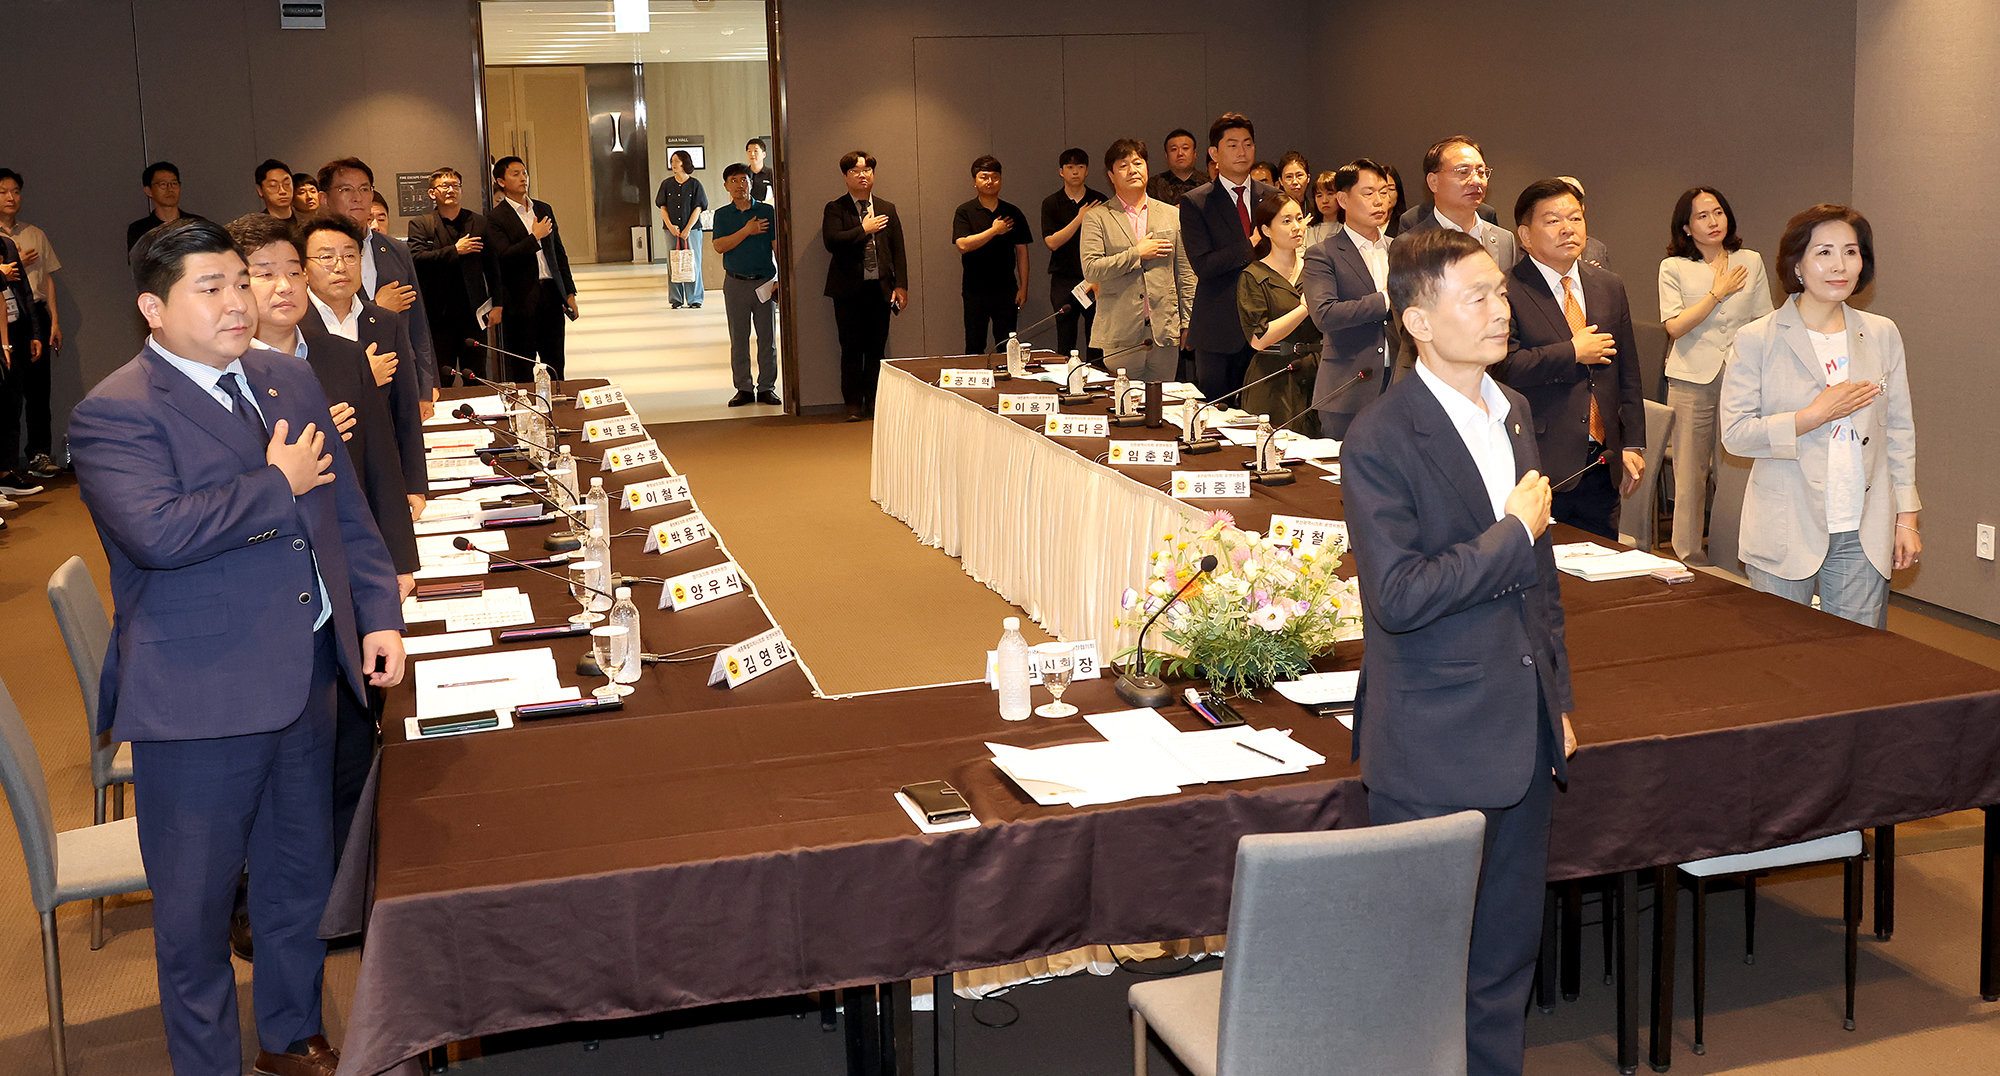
point(413, 194)
point(293, 15)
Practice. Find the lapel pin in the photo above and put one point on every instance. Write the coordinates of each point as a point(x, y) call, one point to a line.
point(1517, 428)
point(274, 392)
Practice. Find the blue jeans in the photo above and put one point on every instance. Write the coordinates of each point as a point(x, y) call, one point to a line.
point(687, 294)
point(1848, 584)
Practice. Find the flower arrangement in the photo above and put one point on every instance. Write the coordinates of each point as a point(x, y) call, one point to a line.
point(1266, 611)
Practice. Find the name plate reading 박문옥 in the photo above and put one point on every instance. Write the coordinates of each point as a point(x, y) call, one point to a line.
point(636, 454)
point(677, 533)
point(751, 658)
point(657, 493)
point(1029, 403)
point(612, 429)
point(1191, 484)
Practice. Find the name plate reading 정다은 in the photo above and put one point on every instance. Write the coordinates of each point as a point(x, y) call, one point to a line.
point(677, 533)
point(1148, 453)
point(965, 379)
point(592, 399)
point(1311, 533)
point(706, 585)
point(1029, 403)
point(637, 454)
point(1084, 657)
point(1191, 484)
point(614, 428)
point(657, 493)
point(1078, 426)
point(752, 658)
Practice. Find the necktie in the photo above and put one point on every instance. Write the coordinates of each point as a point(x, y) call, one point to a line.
point(1243, 210)
point(242, 408)
point(1573, 313)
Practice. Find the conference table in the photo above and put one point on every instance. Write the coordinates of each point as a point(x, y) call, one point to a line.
point(706, 845)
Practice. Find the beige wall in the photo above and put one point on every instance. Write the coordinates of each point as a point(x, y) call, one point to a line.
point(730, 103)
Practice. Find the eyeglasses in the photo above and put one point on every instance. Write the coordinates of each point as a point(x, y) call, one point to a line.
point(445, 186)
point(335, 261)
point(349, 188)
point(1466, 172)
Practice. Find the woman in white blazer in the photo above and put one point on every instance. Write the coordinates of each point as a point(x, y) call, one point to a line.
point(1815, 393)
point(1710, 287)
point(1131, 249)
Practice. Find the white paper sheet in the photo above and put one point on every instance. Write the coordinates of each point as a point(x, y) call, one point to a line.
point(415, 645)
point(498, 680)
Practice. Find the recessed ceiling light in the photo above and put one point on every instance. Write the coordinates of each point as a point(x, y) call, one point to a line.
point(726, 33)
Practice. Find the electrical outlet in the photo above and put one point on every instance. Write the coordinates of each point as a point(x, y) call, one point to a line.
point(1983, 543)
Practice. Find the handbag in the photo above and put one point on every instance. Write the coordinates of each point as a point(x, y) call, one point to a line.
point(681, 267)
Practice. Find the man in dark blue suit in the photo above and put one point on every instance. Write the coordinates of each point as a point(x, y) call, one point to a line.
point(1465, 695)
point(1345, 284)
point(248, 577)
point(388, 273)
point(1216, 230)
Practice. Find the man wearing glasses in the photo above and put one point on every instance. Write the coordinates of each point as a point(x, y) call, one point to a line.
point(162, 184)
point(1455, 171)
point(388, 275)
point(460, 272)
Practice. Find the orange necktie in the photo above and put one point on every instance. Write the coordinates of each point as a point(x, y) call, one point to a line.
point(1573, 313)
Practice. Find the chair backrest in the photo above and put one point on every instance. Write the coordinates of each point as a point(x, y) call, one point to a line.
point(28, 795)
point(86, 632)
point(1348, 948)
point(1638, 519)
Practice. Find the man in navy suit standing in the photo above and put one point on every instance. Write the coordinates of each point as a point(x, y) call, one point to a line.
point(1465, 695)
point(249, 576)
point(1346, 286)
point(1216, 228)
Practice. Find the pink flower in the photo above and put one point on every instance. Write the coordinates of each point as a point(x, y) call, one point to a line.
point(1304, 607)
point(1239, 554)
point(1218, 518)
point(1271, 618)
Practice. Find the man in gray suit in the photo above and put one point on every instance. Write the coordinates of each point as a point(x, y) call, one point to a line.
point(1130, 248)
point(1345, 284)
point(1455, 171)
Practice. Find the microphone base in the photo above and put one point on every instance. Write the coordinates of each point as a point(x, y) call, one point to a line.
point(1072, 399)
point(1196, 448)
point(1281, 476)
point(1002, 375)
point(1143, 691)
point(1128, 420)
point(559, 543)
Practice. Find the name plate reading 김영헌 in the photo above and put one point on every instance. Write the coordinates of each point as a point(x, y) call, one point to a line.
point(592, 399)
point(965, 379)
point(636, 454)
point(657, 493)
point(611, 429)
point(677, 533)
point(1190, 484)
point(1078, 426)
point(1310, 533)
point(752, 658)
point(1029, 403)
point(704, 585)
point(1150, 453)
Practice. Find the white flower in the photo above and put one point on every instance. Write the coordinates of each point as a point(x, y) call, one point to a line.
point(1271, 618)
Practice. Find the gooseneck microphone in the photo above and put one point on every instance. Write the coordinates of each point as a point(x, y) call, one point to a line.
point(464, 411)
point(463, 543)
point(1192, 445)
point(472, 342)
point(1135, 685)
point(1601, 457)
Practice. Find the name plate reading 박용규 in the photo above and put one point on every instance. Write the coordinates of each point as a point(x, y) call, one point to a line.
point(1311, 533)
point(657, 493)
point(1078, 426)
point(752, 658)
point(611, 429)
point(592, 399)
point(706, 585)
point(1084, 657)
point(1189, 484)
point(677, 533)
point(1150, 453)
point(637, 454)
point(965, 379)
point(1029, 403)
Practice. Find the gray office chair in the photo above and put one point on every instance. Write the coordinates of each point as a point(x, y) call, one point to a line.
point(86, 632)
point(77, 864)
point(1639, 517)
point(1347, 944)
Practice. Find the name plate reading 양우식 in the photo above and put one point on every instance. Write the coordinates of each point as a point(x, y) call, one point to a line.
point(1191, 484)
point(613, 428)
point(1029, 403)
point(592, 399)
point(677, 533)
point(1147, 453)
point(697, 587)
point(658, 493)
point(1078, 426)
point(965, 379)
point(1311, 533)
point(636, 454)
point(1083, 656)
point(752, 658)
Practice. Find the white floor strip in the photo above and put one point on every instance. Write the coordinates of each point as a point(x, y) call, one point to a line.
point(672, 364)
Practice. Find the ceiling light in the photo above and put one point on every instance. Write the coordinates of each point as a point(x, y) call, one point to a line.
point(631, 17)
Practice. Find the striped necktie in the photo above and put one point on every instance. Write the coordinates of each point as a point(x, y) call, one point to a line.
point(1573, 313)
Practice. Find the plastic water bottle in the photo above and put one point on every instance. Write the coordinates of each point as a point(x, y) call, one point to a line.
point(626, 615)
point(1010, 671)
point(535, 436)
point(1016, 359)
point(1265, 437)
point(544, 389)
point(1121, 394)
point(1069, 371)
point(564, 474)
point(600, 505)
point(598, 548)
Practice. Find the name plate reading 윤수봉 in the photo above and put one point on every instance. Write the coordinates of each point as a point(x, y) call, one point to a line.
point(751, 658)
point(705, 585)
point(1190, 484)
point(636, 454)
point(965, 379)
point(657, 493)
point(1029, 403)
point(677, 533)
point(1149, 453)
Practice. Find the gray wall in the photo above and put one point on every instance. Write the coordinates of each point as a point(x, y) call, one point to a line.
point(618, 180)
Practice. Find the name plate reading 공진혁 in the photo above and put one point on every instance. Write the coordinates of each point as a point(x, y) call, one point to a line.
point(965, 379)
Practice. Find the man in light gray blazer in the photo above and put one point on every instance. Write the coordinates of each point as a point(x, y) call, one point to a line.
point(1131, 250)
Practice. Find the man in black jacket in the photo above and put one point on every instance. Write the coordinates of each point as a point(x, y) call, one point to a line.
point(866, 279)
point(535, 282)
point(459, 271)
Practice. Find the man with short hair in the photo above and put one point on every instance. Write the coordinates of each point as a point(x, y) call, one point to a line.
point(20, 349)
point(1130, 249)
point(38, 265)
point(305, 194)
point(1181, 175)
point(743, 231)
point(755, 151)
point(162, 184)
point(535, 281)
point(1062, 216)
point(249, 579)
point(1455, 171)
point(388, 274)
point(992, 238)
point(1582, 383)
point(1345, 284)
point(274, 188)
point(866, 277)
point(1216, 230)
point(1465, 695)
point(459, 272)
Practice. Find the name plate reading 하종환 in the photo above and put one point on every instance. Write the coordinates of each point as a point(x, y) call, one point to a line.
point(614, 428)
point(592, 399)
point(677, 533)
point(1078, 426)
point(1191, 484)
point(657, 493)
point(705, 585)
point(1029, 403)
point(636, 454)
point(965, 379)
point(1311, 533)
point(1148, 453)
point(751, 658)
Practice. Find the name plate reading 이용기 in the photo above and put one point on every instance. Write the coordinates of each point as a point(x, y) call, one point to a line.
point(1147, 453)
point(965, 379)
point(657, 493)
point(612, 429)
point(751, 658)
point(1078, 426)
point(1191, 484)
point(637, 454)
point(705, 585)
point(1029, 403)
point(677, 533)
point(592, 399)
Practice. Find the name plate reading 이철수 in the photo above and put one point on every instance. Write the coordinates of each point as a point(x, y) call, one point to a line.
point(1078, 426)
point(657, 493)
point(1083, 656)
point(752, 658)
point(1148, 453)
point(636, 454)
point(705, 585)
point(677, 533)
point(1311, 533)
point(592, 399)
point(1191, 484)
point(612, 429)
point(965, 379)
point(1029, 403)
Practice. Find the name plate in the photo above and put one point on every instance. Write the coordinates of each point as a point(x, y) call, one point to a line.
point(612, 429)
point(706, 585)
point(752, 658)
point(677, 533)
point(1191, 484)
point(1148, 453)
point(1311, 533)
point(1029, 403)
point(1078, 426)
point(658, 493)
point(591, 399)
point(965, 379)
point(637, 454)
point(1084, 657)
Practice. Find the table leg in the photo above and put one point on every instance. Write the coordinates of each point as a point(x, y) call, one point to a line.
point(829, 1016)
point(864, 1031)
point(898, 1043)
point(1571, 899)
point(1989, 911)
point(1627, 990)
point(438, 1060)
point(1666, 924)
point(945, 1037)
point(1885, 882)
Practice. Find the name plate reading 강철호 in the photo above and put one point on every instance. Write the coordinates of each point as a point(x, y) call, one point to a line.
point(657, 493)
point(965, 379)
point(1029, 403)
point(637, 454)
point(1188, 484)
point(1078, 426)
point(676, 533)
point(591, 399)
point(708, 584)
point(611, 429)
point(1311, 533)
point(751, 658)
point(1151, 453)
point(1083, 657)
